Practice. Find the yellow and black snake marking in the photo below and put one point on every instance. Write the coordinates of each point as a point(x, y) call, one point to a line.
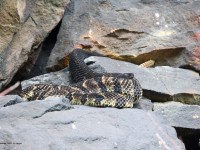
point(101, 90)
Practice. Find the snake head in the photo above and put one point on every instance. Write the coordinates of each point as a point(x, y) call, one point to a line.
point(128, 75)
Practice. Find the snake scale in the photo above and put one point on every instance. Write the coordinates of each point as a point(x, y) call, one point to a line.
point(120, 90)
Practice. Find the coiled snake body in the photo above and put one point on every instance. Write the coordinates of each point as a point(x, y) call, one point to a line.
point(90, 88)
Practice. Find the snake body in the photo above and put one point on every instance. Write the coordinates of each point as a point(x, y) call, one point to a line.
point(90, 88)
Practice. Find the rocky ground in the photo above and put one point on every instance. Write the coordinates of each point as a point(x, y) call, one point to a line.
point(54, 124)
point(36, 38)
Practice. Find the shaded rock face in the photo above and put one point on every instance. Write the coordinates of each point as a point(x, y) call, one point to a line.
point(24, 25)
point(136, 31)
point(35, 67)
point(52, 126)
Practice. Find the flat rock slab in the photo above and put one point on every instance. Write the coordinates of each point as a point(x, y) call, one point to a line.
point(159, 83)
point(180, 115)
point(84, 128)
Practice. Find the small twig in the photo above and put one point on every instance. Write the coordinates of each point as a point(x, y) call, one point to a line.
point(11, 88)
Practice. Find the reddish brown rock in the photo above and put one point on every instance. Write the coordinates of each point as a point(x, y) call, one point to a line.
point(134, 31)
point(193, 58)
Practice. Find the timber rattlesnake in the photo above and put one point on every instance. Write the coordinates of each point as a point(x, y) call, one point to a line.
point(90, 88)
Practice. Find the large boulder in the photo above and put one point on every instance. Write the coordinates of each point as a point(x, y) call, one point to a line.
point(136, 31)
point(24, 25)
point(53, 124)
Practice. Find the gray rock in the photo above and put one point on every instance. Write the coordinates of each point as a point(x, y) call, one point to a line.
point(180, 115)
point(84, 128)
point(9, 100)
point(57, 78)
point(145, 104)
point(159, 83)
point(159, 30)
point(34, 109)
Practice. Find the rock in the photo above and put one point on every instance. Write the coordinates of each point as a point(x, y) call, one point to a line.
point(185, 118)
point(162, 31)
point(31, 69)
point(180, 115)
point(193, 57)
point(57, 78)
point(84, 128)
point(9, 100)
point(34, 109)
point(159, 83)
point(145, 104)
point(23, 26)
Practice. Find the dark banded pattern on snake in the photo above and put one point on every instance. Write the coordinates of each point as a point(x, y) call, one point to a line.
point(101, 90)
